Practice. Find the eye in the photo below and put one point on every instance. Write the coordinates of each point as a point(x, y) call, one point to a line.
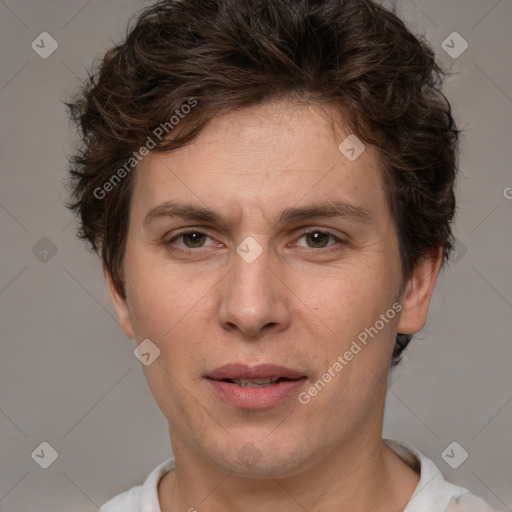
point(193, 239)
point(318, 238)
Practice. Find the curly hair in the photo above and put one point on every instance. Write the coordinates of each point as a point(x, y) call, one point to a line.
point(353, 55)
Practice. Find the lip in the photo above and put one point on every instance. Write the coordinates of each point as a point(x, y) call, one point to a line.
point(261, 371)
point(262, 397)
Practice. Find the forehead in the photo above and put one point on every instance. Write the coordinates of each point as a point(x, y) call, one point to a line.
point(263, 159)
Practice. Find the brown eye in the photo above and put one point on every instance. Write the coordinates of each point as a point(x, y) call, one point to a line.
point(194, 237)
point(318, 239)
point(190, 240)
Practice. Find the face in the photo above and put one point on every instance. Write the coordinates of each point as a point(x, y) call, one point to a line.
point(262, 251)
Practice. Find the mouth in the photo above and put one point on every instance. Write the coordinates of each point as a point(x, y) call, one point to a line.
point(250, 376)
point(257, 383)
point(257, 387)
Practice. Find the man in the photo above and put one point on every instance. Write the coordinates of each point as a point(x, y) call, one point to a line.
point(270, 186)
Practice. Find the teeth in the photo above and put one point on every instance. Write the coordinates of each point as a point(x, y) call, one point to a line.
point(253, 383)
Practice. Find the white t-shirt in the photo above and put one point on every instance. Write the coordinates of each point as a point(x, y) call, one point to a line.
point(432, 494)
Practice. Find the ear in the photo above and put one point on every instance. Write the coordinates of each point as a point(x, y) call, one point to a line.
point(418, 292)
point(120, 305)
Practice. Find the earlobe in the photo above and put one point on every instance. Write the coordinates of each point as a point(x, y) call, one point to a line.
point(120, 305)
point(418, 292)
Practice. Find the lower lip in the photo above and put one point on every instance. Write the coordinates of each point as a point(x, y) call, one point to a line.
point(261, 397)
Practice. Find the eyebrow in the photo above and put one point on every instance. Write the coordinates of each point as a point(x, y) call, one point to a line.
point(327, 209)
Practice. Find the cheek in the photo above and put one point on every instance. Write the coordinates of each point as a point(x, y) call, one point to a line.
point(348, 299)
point(158, 298)
point(344, 315)
point(161, 311)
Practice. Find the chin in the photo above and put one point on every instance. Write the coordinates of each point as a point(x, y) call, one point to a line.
point(260, 457)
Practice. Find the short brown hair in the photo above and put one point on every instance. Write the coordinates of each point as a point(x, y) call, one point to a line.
point(228, 54)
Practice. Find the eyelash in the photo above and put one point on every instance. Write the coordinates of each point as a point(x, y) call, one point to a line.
point(306, 231)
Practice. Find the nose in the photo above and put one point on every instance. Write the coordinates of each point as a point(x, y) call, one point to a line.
point(253, 299)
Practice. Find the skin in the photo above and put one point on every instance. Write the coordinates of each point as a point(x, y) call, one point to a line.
point(300, 304)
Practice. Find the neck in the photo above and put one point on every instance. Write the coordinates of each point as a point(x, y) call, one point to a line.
point(359, 474)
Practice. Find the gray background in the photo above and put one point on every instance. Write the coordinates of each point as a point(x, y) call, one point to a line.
point(67, 373)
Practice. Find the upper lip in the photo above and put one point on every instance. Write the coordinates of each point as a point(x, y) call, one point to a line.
point(237, 371)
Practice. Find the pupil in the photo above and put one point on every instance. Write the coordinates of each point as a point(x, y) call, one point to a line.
point(315, 236)
point(191, 236)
